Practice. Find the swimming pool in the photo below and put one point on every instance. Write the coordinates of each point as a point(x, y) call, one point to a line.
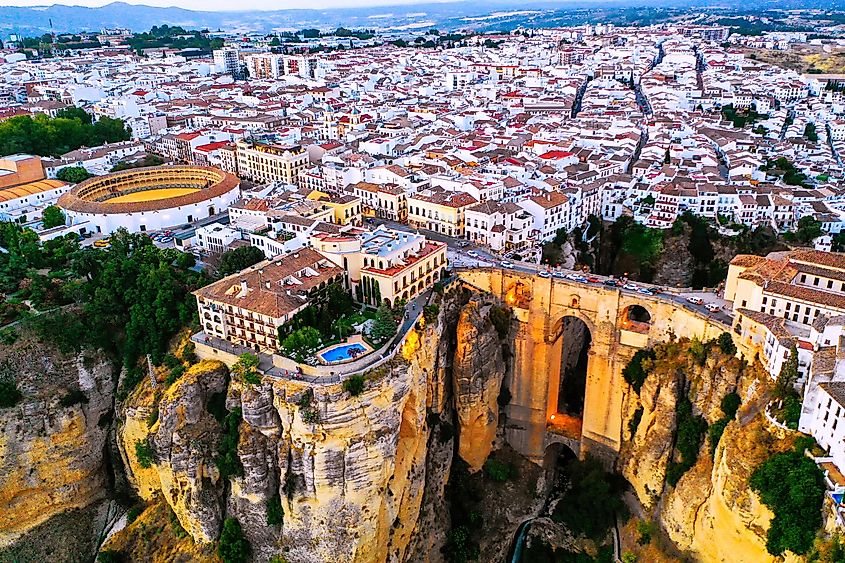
point(342, 353)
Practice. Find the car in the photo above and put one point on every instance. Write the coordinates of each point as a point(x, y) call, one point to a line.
point(611, 283)
point(473, 254)
point(463, 244)
point(712, 307)
point(593, 279)
point(544, 274)
point(559, 275)
point(185, 226)
point(631, 287)
point(165, 240)
point(102, 243)
point(645, 291)
point(695, 300)
point(506, 264)
point(573, 277)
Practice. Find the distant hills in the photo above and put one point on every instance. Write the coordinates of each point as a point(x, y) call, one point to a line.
point(482, 16)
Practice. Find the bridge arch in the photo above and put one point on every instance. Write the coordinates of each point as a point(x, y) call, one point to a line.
point(571, 339)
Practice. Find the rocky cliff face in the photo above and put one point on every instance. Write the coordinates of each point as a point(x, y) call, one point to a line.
point(477, 379)
point(711, 512)
point(352, 472)
point(52, 442)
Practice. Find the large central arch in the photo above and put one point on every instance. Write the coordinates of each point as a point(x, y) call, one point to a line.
point(568, 368)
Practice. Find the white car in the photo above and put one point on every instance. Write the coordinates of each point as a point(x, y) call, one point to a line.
point(695, 300)
point(712, 307)
point(506, 264)
point(473, 254)
point(544, 274)
point(631, 287)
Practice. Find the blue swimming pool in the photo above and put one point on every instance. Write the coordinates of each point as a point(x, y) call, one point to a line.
point(342, 353)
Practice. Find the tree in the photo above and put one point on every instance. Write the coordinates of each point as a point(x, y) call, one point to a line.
point(9, 392)
point(144, 453)
point(807, 229)
point(354, 385)
point(726, 344)
point(384, 325)
point(73, 174)
point(810, 132)
point(233, 261)
point(792, 486)
point(302, 342)
point(246, 368)
point(590, 502)
point(52, 216)
point(233, 546)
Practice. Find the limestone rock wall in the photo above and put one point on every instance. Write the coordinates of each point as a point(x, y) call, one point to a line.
point(184, 439)
point(711, 513)
point(477, 378)
point(51, 456)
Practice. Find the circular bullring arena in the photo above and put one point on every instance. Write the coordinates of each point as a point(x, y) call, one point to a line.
point(149, 199)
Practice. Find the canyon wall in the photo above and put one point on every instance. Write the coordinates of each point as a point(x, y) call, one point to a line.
point(52, 441)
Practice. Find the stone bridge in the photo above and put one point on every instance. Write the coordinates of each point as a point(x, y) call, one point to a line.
point(616, 323)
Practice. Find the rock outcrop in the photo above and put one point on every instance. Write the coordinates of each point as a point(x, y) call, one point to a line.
point(711, 512)
point(477, 379)
point(52, 441)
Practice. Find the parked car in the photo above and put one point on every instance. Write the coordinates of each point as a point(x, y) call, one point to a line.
point(611, 283)
point(695, 300)
point(631, 286)
point(165, 240)
point(102, 243)
point(473, 254)
point(645, 291)
point(712, 307)
point(506, 264)
point(593, 279)
point(463, 244)
point(559, 275)
point(544, 274)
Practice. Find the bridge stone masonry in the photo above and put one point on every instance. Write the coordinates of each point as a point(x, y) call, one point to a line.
point(616, 323)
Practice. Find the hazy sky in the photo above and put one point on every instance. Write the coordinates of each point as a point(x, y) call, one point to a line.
point(221, 5)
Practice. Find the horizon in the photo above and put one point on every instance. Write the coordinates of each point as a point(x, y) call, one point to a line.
point(218, 6)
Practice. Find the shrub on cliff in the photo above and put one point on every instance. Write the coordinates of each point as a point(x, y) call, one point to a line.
point(792, 486)
point(275, 512)
point(354, 385)
point(9, 392)
point(497, 471)
point(690, 433)
point(233, 546)
point(144, 453)
point(636, 371)
point(246, 368)
point(227, 460)
point(110, 556)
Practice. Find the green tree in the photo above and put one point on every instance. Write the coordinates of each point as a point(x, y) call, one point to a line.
point(144, 453)
point(807, 229)
point(235, 260)
point(301, 343)
point(636, 370)
point(52, 216)
point(384, 325)
point(73, 174)
point(726, 344)
point(9, 392)
point(354, 385)
point(590, 502)
point(792, 486)
point(810, 133)
point(233, 546)
point(227, 461)
point(246, 368)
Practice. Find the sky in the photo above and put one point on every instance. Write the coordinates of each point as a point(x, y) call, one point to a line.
point(226, 5)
